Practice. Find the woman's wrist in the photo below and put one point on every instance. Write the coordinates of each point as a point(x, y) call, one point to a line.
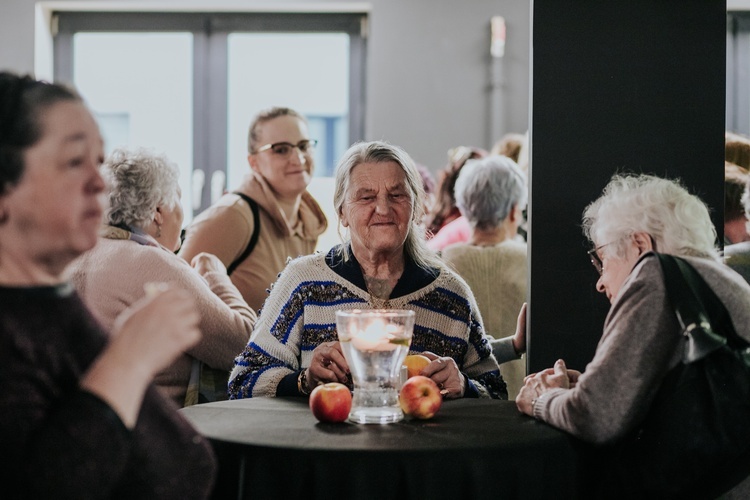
point(120, 385)
point(303, 385)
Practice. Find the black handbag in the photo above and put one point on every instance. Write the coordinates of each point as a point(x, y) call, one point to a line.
point(695, 439)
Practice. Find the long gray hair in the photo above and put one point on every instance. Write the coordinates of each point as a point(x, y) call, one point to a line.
point(382, 152)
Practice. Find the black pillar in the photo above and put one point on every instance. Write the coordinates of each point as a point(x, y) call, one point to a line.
point(621, 85)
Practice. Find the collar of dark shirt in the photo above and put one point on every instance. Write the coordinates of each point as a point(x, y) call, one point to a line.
point(413, 278)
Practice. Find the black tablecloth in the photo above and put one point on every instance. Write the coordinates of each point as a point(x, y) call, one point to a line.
point(274, 448)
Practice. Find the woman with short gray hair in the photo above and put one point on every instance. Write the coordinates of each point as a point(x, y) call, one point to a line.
point(491, 193)
point(488, 190)
point(140, 182)
point(136, 247)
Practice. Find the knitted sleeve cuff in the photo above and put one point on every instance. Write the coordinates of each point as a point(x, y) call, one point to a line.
point(541, 404)
point(470, 389)
point(288, 385)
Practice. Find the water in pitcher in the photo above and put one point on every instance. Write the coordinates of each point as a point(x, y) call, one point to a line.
point(375, 343)
point(376, 375)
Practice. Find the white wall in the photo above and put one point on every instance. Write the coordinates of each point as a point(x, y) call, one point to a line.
point(428, 68)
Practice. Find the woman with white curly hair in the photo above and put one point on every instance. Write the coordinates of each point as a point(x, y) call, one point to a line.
point(636, 216)
point(137, 246)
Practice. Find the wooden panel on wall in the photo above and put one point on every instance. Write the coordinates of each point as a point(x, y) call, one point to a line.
point(623, 85)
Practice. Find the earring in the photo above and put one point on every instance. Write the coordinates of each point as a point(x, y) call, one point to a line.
point(158, 230)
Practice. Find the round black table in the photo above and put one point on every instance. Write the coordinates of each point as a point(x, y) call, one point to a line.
point(275, 448)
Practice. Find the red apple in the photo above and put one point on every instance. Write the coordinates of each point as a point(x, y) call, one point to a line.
point(420, 397)
point(331, 402)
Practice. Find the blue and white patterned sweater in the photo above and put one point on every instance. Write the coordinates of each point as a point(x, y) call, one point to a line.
point(300, 314)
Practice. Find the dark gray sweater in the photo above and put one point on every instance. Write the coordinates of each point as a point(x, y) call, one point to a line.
point(58, 441)
point(639, 345)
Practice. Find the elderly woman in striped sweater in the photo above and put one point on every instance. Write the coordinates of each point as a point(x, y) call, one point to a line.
point(383, 264)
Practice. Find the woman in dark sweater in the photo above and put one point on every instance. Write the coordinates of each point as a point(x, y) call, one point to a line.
point(79, 417)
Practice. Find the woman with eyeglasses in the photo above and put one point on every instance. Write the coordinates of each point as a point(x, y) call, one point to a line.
point(642, 341)
point(271, 217)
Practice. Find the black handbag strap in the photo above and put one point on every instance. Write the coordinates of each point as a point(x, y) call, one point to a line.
point(253, 238)
point(705, 320)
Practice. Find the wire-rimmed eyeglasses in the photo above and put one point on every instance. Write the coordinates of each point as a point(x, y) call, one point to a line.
point(596, 261)
point(284, 149)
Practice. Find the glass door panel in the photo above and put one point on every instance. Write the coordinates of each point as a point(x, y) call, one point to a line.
point(140, 88)
point(308, 72)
